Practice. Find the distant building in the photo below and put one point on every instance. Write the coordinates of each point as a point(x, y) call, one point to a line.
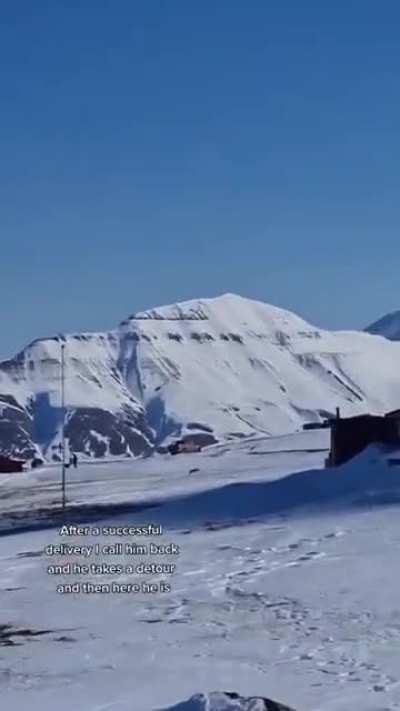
point(184, 445)
point(351, 435)
point(191, 443)
point(9, 466)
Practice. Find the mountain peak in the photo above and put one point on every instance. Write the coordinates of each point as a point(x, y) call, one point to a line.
point(225, 307)
point(387, 326)
point(192, 307)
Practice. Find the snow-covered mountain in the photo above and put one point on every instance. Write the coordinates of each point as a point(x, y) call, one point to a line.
point(220, 368)
point(387, 326)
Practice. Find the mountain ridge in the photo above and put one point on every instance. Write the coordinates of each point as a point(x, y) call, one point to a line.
point(219, 368)
point(388, 326)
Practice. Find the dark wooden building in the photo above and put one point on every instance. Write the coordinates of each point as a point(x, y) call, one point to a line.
point(9, 466)
point(351, 435)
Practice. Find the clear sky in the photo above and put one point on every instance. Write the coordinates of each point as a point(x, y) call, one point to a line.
point(157, 151)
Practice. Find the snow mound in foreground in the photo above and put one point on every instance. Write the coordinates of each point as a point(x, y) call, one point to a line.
point(365, 480)
point(227, 702)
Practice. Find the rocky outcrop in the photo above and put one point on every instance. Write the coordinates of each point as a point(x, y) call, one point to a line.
point(96, 432)
point(228, 701)
point(16, 429)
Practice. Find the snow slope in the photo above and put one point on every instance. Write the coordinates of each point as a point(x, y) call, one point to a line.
point(222, 368)
point(299, 605)
point(103, 417)
point(32, 499)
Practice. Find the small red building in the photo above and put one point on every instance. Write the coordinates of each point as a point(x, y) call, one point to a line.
point(9, 466)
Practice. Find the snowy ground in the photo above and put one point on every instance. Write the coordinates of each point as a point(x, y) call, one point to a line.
point(26, 498)
point(286, 587)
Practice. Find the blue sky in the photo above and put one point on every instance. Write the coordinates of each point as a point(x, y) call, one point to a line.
point(159, 151)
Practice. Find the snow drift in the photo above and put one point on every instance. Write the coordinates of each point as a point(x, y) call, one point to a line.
point(367, 480)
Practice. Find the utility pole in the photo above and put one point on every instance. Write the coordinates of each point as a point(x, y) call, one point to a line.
point(63, 424)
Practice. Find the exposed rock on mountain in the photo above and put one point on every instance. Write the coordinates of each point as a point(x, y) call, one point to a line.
point(16, 425)
point(228, 701)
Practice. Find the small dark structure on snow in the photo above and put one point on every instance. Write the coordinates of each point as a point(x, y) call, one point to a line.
point(192, 443)
point(36, 462)
point(182, 446)
point(351, 435)
point(9, 466)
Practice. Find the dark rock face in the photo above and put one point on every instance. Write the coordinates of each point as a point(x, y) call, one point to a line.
point(16, 437)
point(269, 704)
point(32, 428)
point(100, 433)
point(90, 431)
point(228, 701)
